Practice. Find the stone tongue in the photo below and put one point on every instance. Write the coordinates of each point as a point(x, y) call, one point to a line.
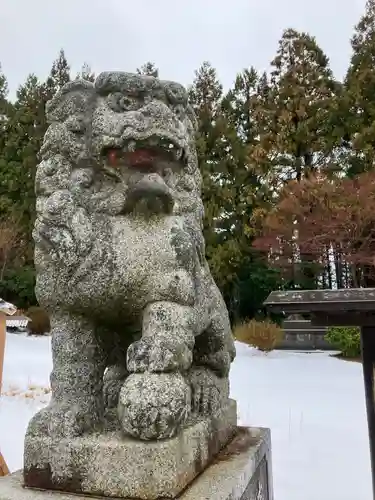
point(140, 157)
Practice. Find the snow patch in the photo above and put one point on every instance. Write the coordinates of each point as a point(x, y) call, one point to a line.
point(313, 403)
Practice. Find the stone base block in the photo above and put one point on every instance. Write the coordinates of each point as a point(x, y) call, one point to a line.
point(241, 471)
point(110, 465)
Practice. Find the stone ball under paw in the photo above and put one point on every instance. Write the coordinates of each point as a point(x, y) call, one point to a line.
point(154, 405)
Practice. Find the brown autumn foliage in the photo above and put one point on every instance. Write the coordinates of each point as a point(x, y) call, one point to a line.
point(319, 213)
point(39, 321)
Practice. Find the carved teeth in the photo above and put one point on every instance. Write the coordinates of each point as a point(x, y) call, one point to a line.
point(179, 153)
point(131, 146)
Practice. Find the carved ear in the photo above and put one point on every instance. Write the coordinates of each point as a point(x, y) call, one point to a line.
point(175, 92)
point(73, 98)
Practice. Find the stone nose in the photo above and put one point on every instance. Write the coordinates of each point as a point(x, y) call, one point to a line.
point(150, 187)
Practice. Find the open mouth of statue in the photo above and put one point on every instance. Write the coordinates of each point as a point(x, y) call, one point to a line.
point(143, 167)
point(144, 156)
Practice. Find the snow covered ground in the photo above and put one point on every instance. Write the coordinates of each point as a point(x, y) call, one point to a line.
point(313, 403)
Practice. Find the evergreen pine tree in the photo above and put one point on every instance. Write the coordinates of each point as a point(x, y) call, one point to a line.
point(24, 132)
point(148, 69)
point(5, 109)
point(297, 129)
point(254, 278)
point(3, 93)
point(230, 187)
point(205, 96)
point(360, 91)
point(58, 77)
point(17, 271)
point(86, 73)
point(299, 106)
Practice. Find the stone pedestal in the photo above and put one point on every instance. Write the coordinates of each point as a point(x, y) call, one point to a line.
point(242, 471)
point(109, 464)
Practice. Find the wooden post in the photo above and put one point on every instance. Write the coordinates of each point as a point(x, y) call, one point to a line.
point(4, 471)
point(368, 358)
point(2, 346)
point(344, 307)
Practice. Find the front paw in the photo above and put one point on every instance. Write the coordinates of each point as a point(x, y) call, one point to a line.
point(112, 383)
point(158, 355)
point(209, 392)
point(219, 362)
point(64, 420)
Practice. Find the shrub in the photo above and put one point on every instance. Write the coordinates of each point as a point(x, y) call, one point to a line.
point(264, 335)
point(39, 321)
point(345, 339)
point(18, 286)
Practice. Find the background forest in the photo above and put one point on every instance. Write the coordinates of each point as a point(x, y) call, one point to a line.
point(287, 159)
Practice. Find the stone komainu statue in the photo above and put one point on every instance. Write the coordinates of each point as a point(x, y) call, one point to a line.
point(138, 324)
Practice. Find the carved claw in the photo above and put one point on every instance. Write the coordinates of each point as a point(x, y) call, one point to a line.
point(113, 381)
point(209, 392)
point(219, 362)
point(64, 421)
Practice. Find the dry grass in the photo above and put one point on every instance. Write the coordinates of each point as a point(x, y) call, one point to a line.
point(264, 335)
point(39, 321)
point(31, 392)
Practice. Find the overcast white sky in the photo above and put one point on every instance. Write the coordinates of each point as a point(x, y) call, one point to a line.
point(177, 35)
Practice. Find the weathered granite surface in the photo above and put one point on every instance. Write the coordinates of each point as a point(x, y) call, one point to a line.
point(137, 321)
point(108, 464)
point(243, 471)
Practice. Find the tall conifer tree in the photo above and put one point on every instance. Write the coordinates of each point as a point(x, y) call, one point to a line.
point(148, 69)
point(297, 131)
point(360, 95)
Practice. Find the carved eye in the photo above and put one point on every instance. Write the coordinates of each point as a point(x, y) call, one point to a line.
point(176, 94)
point(119, 102)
